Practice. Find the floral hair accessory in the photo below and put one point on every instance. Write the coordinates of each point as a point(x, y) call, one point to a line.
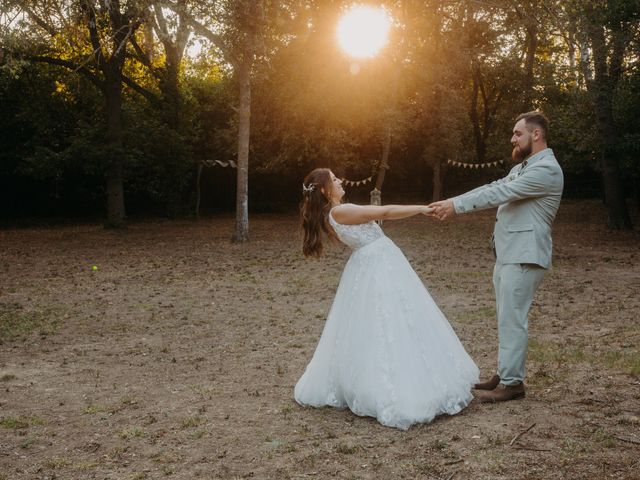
point(308, 188)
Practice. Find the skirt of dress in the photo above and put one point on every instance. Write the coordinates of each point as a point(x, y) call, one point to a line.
point(386, 350)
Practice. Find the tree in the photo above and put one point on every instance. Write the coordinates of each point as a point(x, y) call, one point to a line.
point(602, 34)
point(610, 26)
point(236, 29)
point(90, 38)
point(315, 106)
point(165, 64)
point(463, 69)
point(528, 14)
point(173, 33)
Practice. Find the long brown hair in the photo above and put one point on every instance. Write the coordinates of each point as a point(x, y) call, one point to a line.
point(314, 210)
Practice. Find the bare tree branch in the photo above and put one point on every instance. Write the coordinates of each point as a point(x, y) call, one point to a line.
point(88, 74)
point(93, 34)
point(202, 30)
point(150, 96)
point(39, 21)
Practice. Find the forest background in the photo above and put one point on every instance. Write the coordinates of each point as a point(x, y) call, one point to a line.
point(165, 351)
point(117, 109)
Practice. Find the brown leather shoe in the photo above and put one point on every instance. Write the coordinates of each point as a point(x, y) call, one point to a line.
point(489, 384)
point(502, 393)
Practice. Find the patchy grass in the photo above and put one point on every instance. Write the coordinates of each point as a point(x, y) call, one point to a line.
point(20, 422)
point(57, 463)
point(627, 361)
point(27, 442)
point(475, 315)
point(551, 353)
point(17, 322)
point(178, 357)
point(191, 422)
point(131, 432)
point(346, 449)
point(93, 409)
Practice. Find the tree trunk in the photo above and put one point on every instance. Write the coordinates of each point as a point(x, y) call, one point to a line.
point(112, 70)
point(174, 53)
point(474, 116)
point(376, 194)
point(602, 88)
point(115, 170)
point(198, 177)
point(532, 45)
point(244, 118)
point(384, 161)
point(437, 182)
point(618, 214)
point(436, 162)
point(169, 86)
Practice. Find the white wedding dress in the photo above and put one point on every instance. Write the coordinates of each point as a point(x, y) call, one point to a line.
point(386, 351)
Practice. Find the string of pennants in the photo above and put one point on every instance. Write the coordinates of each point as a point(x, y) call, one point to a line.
point(475, 165)
point(232, 164)
point(364, 181)
point(357, 182)
point(213, 163)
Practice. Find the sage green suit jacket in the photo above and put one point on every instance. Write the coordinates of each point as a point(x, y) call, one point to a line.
point(527, 200)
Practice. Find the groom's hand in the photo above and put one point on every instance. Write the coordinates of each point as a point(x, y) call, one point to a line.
point(443, 209)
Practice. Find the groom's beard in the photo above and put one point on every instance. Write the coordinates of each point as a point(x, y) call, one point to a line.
point(519, 154)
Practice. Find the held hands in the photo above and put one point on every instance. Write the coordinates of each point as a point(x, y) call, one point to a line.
point(427, 211)
point(442, 210)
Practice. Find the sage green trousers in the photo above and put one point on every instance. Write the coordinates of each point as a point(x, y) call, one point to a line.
point(515, 285)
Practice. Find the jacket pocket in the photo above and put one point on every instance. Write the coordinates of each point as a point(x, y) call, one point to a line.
point(523, 227)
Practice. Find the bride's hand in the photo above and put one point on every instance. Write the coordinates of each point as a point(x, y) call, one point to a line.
point(428, 211)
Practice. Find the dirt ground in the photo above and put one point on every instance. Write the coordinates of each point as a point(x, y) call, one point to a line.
point(177, 355)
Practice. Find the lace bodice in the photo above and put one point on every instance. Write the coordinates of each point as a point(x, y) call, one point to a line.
point(356, 236)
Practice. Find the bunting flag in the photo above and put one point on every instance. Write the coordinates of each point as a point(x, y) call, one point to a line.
point(475, 166)
point(356, 182)
point(213, 163)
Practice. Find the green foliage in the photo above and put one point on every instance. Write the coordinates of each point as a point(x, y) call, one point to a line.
point(312, 110)
point(627, 106)
point(158, 165)
point(209, 98)
point(447, 86)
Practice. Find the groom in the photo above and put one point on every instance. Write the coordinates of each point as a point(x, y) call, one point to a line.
point(527, 201)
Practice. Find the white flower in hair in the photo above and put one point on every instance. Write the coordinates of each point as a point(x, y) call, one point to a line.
point(308, 188)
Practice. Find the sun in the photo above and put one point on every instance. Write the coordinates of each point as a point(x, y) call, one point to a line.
point(363, 31)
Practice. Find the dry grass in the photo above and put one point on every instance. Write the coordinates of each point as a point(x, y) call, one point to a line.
point(178, 356)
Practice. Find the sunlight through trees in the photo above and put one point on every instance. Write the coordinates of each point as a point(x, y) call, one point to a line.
point(104, 110)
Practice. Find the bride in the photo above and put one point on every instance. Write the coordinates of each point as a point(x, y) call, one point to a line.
point(386, 351)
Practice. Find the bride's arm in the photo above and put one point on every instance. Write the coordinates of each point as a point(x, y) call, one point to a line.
point(354, 214)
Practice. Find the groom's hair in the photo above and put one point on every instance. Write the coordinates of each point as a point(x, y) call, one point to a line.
point(536, 119)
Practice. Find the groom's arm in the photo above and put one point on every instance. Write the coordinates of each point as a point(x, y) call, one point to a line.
point(446, 208)
point(536, 181)
point(488, 185)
